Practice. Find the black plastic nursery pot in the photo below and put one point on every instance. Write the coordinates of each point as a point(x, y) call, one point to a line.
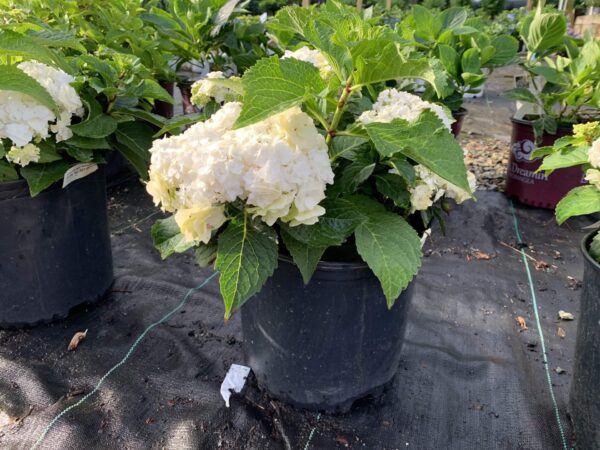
point(585, 391)
point(531, 187)
point(324, 345)
point(55, 249)
point(459, 117)
point(167, 110)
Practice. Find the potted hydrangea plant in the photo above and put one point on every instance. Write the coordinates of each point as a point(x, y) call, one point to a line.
point(465, 52)
point(310, 188)
point(583, 150)
point(58, 119)
point(564, 76)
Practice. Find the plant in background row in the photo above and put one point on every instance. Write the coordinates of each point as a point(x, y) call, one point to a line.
point(313, 161)
point(463, 50)
point(581, 149)
point(564, 74)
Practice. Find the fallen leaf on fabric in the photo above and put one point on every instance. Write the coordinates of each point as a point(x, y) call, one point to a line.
point(541, 265)
point(342, 440)
point(150, 420)
point(76, 340)
point(481, 256)
point(522, 323)
point(564, 315)
point(561, 333)
point(559, 370)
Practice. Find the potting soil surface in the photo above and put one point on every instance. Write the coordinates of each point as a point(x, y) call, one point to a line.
point(472, 374)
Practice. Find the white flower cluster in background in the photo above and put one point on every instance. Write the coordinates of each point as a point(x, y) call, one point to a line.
point(203, 91)
point(23, 155)
point(430, 188)
point(394, 104)
point(315, 57)
point(23, 119)
point(278, 167)
point(593, 175)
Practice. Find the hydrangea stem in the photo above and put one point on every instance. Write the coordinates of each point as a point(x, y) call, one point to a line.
point(339, 110)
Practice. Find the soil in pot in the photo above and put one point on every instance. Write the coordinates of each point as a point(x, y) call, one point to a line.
point(55, 249)
point(529, 187)
point(324, 345)
point(585, 390)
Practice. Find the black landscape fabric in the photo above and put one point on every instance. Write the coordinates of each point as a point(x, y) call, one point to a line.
point(471, 376)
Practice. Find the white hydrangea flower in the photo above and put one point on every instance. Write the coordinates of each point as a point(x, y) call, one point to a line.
point(279, 167)
point(394, 104)
point(594, 154)
point(203, 91)
point(315, 57)
point(197, 224)
point(23, 119)
point(430, 188)
point(23, 155)
point(593, 177)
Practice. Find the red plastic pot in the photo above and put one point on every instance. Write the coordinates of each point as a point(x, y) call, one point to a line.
point(459, 117)
point(163, 108)
point(531, 187)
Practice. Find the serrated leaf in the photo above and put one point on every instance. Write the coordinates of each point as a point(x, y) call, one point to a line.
point(359, 170)
point(346, 146)
point(389, 246)
point(14, 79)
point(20, 45)
point(393, 187)
point(405, 169)
point(426, 141)
point(574, 156)
point(168, 239)
point(246, 257)
point(274, 85)
point(578, 202)
point(134, 140)
point(545, 32)
point(88, 143)
point(42, 176)
point(305, 256)
point(206, 253)
point(522, 94)
point(153, 90)
point(97, 127)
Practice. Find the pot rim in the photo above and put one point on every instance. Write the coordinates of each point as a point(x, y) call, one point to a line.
point(585, 244)
point(329, 266)
point(460, 112)
point(530, 123)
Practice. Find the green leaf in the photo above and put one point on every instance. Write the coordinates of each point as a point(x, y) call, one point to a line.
point(206, 253)
point(523, 95)
point(595, 247)
point(405, 169)
point(168, 239)
point(247, 256)
point(57, 39)
point(578, 202)
point(470, 61)
point(332, 229)
point(506, 50)
point(274, 85)
point(177, 123)
point(452, 18)
point(41, 176)
point(449, 59)
point(394, 187)
point(426, 141)
point(154, 119)
point(48, 153)
point(97, 127)
point(154, 91)
point(545, 32)
point(570, 157)
point(359, 170)
point(14, 79)
point(346, 146)
point(134, 141)
point(380, 60)
point(305, 256)
point(88, 143)
point(7, 172)
point(20, 45)
point(80, 154)
point(389, 246)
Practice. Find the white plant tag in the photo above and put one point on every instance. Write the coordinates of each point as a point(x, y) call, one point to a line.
point(78, 171)
point(234, 380)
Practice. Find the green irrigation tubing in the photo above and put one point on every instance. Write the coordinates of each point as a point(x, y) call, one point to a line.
point(312, 433)
point(120, 363)
point(539, 328)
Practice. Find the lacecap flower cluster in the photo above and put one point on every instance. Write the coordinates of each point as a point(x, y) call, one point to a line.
point(393, 104)
point(23, 119)
point(278, 167)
